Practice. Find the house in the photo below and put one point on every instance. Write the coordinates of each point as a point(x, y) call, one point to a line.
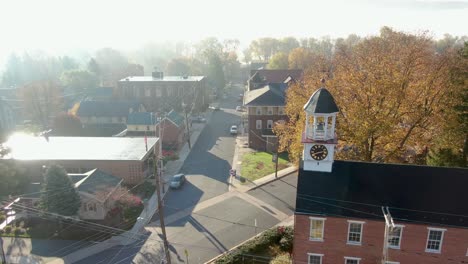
point(260, 78)
point(359, 212)
point(95, 188)
point(265, 107)
point(93, 112)
point(100, 93)
point(161, 93)
point(126, 158)
point(173, 129)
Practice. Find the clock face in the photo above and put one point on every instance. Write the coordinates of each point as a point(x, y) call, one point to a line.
point(318, 152)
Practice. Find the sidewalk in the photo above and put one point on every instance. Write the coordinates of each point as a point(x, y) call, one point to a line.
point(235, 183)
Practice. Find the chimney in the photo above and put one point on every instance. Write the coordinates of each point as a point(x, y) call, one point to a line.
point(157, 75)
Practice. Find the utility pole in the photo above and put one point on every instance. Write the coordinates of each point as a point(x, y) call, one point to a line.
point(187, 125)
point(3, 252)
point(389, 224)
point(275, 159)
point(160, 207)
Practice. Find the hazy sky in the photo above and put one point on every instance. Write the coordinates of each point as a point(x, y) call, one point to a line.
point(58, 26)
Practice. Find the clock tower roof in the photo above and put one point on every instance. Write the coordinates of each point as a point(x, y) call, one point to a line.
point(321, 102)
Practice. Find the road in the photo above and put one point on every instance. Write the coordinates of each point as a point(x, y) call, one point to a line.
point(204, 218)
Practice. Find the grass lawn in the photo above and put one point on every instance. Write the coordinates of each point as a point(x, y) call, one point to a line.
point(256, 165)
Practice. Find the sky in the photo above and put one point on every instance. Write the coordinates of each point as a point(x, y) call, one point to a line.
point(58, 26)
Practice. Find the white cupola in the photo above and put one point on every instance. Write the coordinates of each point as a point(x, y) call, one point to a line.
point(319, 137)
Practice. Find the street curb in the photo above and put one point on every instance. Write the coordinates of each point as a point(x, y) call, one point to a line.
point(274, 179)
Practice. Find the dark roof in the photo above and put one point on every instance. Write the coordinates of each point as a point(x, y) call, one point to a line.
point(97, 181)
point(175, 117)
point(432, 195)
point(276, 76)
point(100, 92)
point(321, 102)
point(269, 95)
point(107, 108)
point(142, 118)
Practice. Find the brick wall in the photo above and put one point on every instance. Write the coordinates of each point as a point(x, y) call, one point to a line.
point(256, 141)
point(412, 247)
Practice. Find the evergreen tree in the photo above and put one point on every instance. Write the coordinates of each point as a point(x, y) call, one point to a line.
point(59, 196)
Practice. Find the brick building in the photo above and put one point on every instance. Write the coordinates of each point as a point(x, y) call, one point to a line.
point(164, 93)
point(361, 213)
point(126, 158)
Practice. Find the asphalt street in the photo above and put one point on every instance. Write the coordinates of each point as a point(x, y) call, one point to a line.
point(197, 234)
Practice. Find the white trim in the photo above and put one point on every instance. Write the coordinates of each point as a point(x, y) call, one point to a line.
point(351, 258)
point(399, 240)
point(317, 218)
point(392, 262)
point(317, 255)
point(441, 239)
point(323, 228)
point(355, 221)
point(360, 237)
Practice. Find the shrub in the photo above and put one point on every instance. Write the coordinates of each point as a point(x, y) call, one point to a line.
point(281, 259)
point(8, 229)
point(18, 231)
point(17, 223)
point(2, 218)
point(242, 179)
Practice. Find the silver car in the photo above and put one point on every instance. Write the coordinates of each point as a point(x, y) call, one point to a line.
point(177, 181)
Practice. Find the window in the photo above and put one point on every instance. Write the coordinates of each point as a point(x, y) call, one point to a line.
point(355, 232)
point(269, 110)
point(270, 124)
point(147, 92)
point(258, 110)
point(280, 111)
point(434, 240)
point(147, 128)
point(314, 258)
point(394, 237)
point(316, 228)
point(352, 260)
point(258, 124)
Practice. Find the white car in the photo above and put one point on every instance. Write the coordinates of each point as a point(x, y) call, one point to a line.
point(239, 108)
point(233, 130)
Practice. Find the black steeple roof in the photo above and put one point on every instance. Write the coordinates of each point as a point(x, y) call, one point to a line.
point(321, 102)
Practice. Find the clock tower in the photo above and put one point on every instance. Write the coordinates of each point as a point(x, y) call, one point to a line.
point(319, 138)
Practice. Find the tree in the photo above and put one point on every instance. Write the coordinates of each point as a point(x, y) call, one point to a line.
point(300, 58)
point(391, 89)
point(177, 67)
point(59, 196)
point(278, 61)
point(67, 125)
point(287, 44)
point(79, 80)
point(41, 101)
point(13, 179)
point(215, 71)
point(264, 48)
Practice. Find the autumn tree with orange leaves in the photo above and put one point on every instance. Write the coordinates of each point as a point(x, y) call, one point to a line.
point(391, 89)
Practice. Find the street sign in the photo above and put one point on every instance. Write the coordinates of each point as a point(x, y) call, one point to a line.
point(274, 157)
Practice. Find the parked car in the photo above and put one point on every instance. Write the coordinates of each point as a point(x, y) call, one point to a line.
point(239, 108)
point(233, 130)
point(198, 119)
point(177, 181)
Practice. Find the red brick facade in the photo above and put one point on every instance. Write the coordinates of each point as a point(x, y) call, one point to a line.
point(335, 248)
point(257, 140)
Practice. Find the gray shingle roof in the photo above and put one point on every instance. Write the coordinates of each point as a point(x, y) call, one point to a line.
point(142, 118)
point(321, 102)
point(107, 108)
point(97, 181)
point(175, 117)
point(269, 95)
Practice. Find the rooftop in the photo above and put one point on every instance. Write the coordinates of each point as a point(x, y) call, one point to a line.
point(275, 76)
point(269, 95)
point(164, 79)
point(25, 147)
point(95, 181)
point(420, 194)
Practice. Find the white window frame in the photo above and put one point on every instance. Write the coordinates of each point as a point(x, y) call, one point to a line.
point(258, 124)
point(429, 229)
point(399, 241)
point(269, 110)
point(269, 124)
point(258, 110)
point(148, 92)
point(349, 228)
point(316, 255)
point(323, 228)
point(280, 110)
point(351, 258)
